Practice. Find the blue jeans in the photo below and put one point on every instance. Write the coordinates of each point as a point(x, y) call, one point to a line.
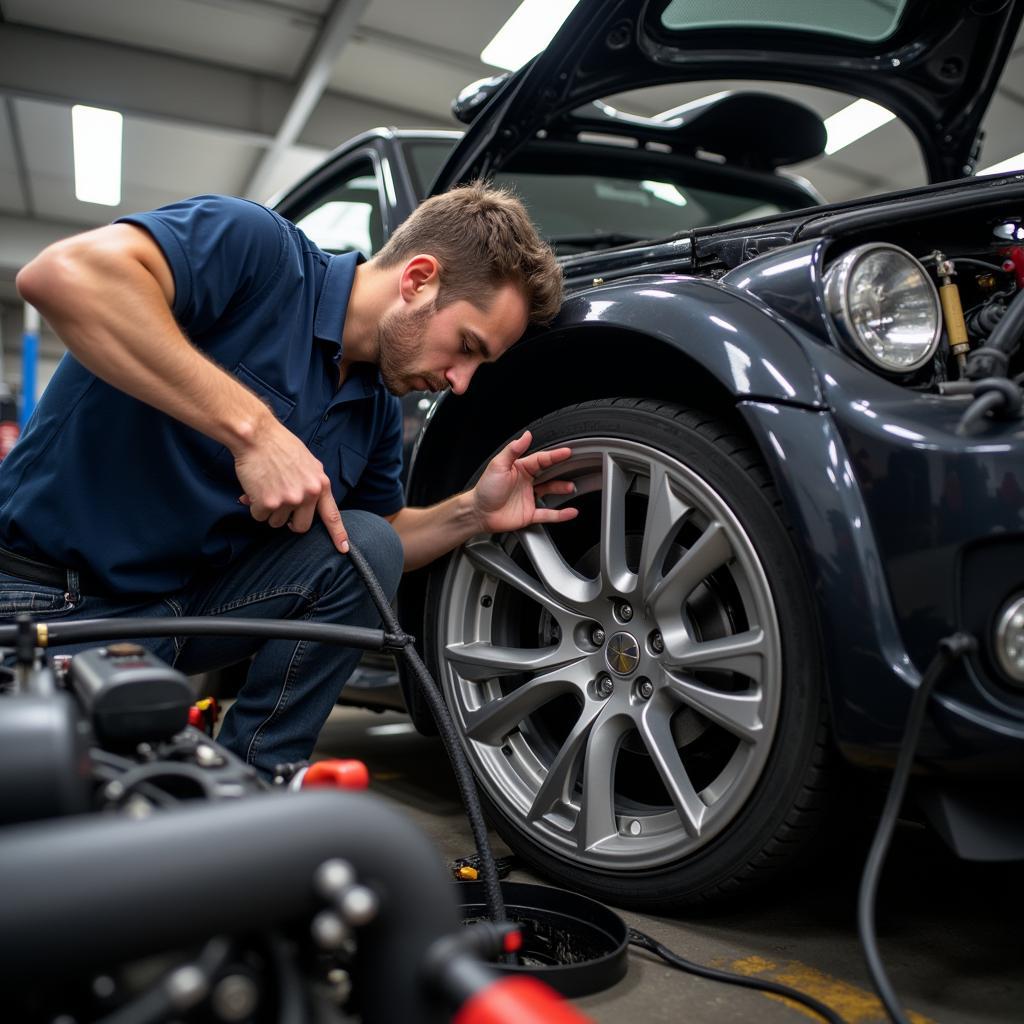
point(291, 686)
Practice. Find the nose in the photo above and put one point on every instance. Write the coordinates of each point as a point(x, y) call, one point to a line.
point(458, 379)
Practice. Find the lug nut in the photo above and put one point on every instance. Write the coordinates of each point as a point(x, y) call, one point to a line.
point(604, 686)
point(624, 611)
point(657, 642)
point(597, 636)
point(645, 687)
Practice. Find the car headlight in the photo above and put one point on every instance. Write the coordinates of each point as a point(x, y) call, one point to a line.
point(885, 305)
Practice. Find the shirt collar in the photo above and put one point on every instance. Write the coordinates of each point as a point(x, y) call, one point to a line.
point(335, 291)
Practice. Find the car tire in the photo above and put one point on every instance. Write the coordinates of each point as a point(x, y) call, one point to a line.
point(639, 690)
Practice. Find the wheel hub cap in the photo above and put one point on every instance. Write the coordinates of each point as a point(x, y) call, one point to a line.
point(622, 654)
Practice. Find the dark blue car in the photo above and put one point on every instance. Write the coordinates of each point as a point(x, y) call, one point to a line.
point(798, 468)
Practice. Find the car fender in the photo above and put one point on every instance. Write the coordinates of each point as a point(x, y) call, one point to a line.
point(665, 336)
point(870, 675)
point(644, 336)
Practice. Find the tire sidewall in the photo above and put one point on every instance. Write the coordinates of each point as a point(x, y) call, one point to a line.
point(734, 470)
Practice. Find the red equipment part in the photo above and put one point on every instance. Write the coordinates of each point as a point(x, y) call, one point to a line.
point(1013, 259)
point(518, 1000)
point(336, 773)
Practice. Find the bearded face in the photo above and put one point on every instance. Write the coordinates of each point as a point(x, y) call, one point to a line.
point(400, 344)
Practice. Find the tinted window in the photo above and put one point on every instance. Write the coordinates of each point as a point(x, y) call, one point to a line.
point(576, 210)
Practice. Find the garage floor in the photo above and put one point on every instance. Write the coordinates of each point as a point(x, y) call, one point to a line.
point(950, 931)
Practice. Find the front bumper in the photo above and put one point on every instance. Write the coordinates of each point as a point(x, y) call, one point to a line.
point(908, 532)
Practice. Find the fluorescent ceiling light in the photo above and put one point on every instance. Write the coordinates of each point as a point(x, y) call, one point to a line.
point(526, 33)
point(97, 138)
point(1012, 163)
point(854, 122)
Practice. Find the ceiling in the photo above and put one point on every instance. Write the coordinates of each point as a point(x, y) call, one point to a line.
point(244, 96)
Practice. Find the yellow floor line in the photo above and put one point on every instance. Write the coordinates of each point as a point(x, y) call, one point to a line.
point(855, 1005)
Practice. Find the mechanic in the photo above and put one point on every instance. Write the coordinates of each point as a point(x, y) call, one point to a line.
point(228, 387)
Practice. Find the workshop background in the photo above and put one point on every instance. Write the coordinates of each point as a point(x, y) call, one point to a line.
point(245, 96)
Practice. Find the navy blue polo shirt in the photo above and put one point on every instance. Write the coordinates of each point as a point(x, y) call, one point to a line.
point(104, 483)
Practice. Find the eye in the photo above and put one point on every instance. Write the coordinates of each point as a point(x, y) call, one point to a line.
point(465, 348)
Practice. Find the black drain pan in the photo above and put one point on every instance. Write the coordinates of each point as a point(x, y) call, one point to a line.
point(573, 943)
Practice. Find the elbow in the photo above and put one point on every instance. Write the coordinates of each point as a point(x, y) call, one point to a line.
point(46, 278)
point(29, 282)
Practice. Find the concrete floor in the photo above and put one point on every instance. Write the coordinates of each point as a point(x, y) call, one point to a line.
point(949, 930)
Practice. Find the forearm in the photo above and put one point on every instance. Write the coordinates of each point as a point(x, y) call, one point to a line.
point(113, 315)
point(428, 533)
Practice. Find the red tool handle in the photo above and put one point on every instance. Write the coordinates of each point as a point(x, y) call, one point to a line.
point(518, 1000)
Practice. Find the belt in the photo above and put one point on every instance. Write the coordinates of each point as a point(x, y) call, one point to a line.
point(40, 572)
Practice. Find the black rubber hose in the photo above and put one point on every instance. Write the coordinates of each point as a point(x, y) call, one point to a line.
point(92, 890)
point(1007, 334)
point(450, 738)
point(644, 941)
point(990, 360)
point(210, 625)
point(950, 649)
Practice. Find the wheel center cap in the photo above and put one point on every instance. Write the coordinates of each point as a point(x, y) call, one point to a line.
point(622, 654)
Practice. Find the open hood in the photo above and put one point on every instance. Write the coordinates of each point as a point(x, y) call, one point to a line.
point(933, 64)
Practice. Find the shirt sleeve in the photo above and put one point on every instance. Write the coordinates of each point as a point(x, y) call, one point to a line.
point(379, 489)
point(221, 251)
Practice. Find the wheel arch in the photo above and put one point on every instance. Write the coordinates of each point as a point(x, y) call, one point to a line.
point(680, 355)
point(676, 339)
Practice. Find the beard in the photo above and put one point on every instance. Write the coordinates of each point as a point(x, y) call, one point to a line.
point(399, 347)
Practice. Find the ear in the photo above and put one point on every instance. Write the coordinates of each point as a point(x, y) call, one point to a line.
point(420, 278)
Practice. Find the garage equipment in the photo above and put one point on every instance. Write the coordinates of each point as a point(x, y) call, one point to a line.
point(270, 862)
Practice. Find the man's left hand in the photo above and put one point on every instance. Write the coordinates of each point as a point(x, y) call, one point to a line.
point(506, 495)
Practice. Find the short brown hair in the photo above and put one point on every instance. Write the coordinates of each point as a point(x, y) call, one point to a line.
point(483, 237)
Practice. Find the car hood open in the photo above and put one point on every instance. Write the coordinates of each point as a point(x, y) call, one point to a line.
point(935, 65)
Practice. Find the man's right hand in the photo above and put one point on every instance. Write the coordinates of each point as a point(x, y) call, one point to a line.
point(285, 484)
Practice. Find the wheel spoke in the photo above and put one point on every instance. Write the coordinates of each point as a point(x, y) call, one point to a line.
point(596, 820)
point(738, 713)
point(665, 513)
point(744, 653)
point(497, 718)
point(710, 552)
point(615, 484)
point(486, 555)
point(557, 784)
point(554, 572)
point(479, 660)
point(655, 727)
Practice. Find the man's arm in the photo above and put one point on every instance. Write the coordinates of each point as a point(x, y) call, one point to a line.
point(108, 294)
point(503, 499)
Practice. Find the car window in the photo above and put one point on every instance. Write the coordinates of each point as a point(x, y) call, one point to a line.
point(853, 19)
point(348, 216)
point(576, 211)
point(424, 158)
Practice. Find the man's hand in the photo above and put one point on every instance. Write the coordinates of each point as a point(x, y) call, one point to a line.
point(505, 496)
point(285, 485)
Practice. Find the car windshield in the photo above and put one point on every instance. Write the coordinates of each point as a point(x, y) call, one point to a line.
point(865, 20)
point(581, 211)
point(585, 211)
